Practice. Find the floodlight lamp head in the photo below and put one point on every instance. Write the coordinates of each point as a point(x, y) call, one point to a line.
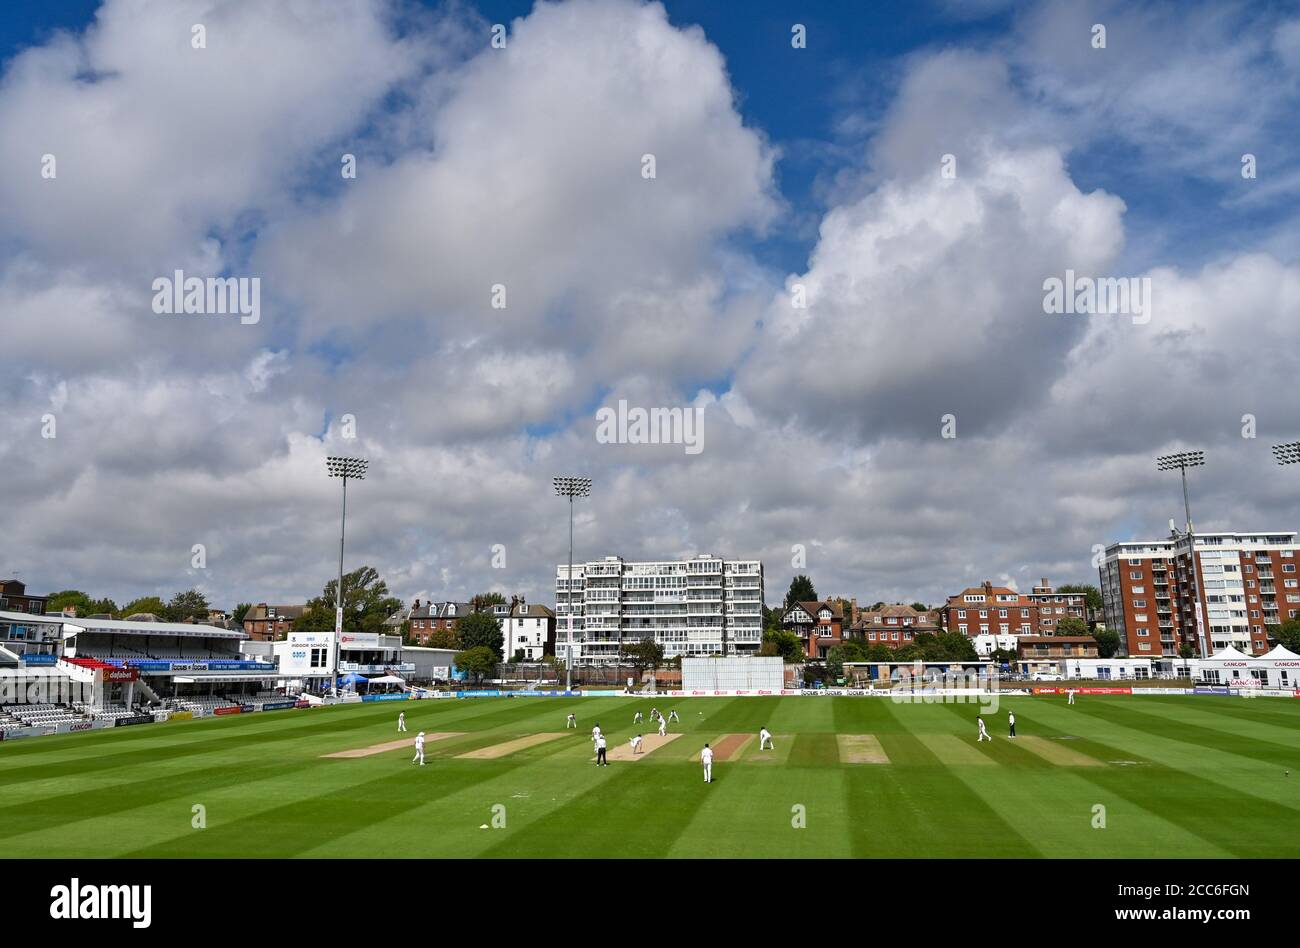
point(1288, 453)
point(354, 468)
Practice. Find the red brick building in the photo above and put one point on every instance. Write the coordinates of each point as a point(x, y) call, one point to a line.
point(429, 617)
point(819, 625)
point(1000, 610)
point(1242, 586)
point(894, 625)
point(271, 623)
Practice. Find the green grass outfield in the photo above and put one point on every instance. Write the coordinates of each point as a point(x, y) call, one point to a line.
point(1178, 776)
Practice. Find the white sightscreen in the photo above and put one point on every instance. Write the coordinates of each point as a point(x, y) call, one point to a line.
point(733, 674)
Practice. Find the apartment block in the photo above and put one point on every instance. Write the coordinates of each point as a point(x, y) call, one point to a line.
point(699, 606)
point(1000, 610)
point(1239, 585)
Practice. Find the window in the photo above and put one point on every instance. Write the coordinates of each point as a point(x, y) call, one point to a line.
point(1135, 574)
point(961, 614)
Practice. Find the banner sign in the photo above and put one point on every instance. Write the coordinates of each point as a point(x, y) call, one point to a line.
point(302, 703)
point(118, 674)
point(549, 694)
point(216, 664)
point(39, 658)
point(27, 732)
point(227, 710)
point(134, 719)
point(181, 716)
point(478, 694)
point(74, 727)
point(280, 705)
point(1084, 691)
point(397, 697)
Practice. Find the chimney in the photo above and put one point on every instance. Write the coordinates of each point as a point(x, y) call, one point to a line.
point(988, 587)
point(417, 605)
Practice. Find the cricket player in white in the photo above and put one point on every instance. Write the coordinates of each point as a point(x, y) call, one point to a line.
point(765, 738)
point(419, 749)
point(401, 722)
point(663, 726)
point(1011, 720)
point(595, 734)
point(1070, 692)
point(636, 718)
point(636, 744)
point(706, 758)
point(984, 734)
point(672, 716)
point(572, 722)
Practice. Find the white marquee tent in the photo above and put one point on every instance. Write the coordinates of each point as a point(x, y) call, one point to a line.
point(1279, 668)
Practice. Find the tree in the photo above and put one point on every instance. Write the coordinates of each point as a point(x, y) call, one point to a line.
point(920, 607)
point(150, 604)
point(104, 607)
point(366, 605)
point(1288, 635)
point(1107, 642)
point(1186, 650)
point(837, 655)
point(477, 661)
point(1092, 593)
point(1072, 625)
point(485, 601)
point(70, 597)
point(480, 630)
point(787, 645)
point(187, 606)
point(443, 638)
point(240, 611)
point(1004, 656)
point(801, 590)
point(642, 654)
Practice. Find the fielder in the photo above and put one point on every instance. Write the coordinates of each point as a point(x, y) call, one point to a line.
point(1011, 721)
point(672, 715)
point(663, 726)
point(1070, 693)
point(636, 718)
point(595, 733)
point(419, 749)
point(401, 722)
point(572, 722)
point(765, 738)
point(636, 744)
point(654, 714)
point(984, 734)
point(706, 758)
point(600, 751)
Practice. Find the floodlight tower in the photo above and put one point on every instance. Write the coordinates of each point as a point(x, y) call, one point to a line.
point(1288, 453)
point(1181, 462)
point(354, 468)
point(570, 487)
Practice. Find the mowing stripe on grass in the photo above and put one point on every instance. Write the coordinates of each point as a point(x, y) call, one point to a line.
point(861, 749)
point(374, 749)
point(652, 743)
point(1055, 752)
point(493, 751)
point(953, 750)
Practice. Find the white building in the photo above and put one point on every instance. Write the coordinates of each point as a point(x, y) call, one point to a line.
point(699, 606)
point(1279, 668)
point(530, 631)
